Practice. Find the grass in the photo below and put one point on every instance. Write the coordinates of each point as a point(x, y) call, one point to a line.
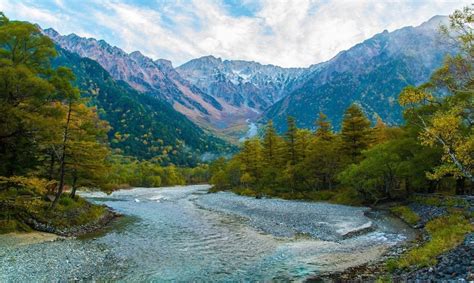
point(445, 232)
point(405, 213)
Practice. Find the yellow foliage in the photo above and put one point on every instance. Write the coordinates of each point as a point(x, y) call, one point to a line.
point(33, 184)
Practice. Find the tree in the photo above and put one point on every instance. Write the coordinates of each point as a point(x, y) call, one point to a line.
point(355, 133)
point(324, 159)
point(448, 121)
point(323, 128)
point(44, 128)
point(272, 150)
point(25, 89)
point(271, 146)
point(390, 168)
point(87, 150)
point(290, 137)
point(251, 160)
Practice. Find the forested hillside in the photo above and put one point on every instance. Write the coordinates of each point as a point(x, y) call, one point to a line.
point(66, 124)
point(431, 152)
point(141, 125)
point(370, 74)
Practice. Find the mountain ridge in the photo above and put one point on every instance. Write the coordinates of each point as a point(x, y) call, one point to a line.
point(142, 125)
point(371, 74)
point(225, 95)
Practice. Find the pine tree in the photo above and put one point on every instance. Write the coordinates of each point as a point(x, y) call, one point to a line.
point(251, 159)
point(355, 133)
point(271, 146)
point(291, 136)
point(323, 128)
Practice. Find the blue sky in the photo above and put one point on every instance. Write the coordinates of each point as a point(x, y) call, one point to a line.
point(294, 33)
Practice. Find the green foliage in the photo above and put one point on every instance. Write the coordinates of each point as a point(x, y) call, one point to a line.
point(447, 121)
point(390, 169)
point(405, 213)
point(128, 171)
point(355, 133)
point(445, 233)
point(142, 125)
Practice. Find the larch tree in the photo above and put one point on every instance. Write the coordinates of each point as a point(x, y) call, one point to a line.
point(355, 133)
point(323, 128)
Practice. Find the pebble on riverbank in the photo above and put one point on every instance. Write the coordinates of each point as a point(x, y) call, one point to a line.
point(457, 264)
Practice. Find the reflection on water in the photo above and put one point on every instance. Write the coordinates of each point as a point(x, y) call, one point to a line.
point(184, 234)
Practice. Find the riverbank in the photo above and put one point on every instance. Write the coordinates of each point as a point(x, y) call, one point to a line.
point(444, 250)
point(70, 218)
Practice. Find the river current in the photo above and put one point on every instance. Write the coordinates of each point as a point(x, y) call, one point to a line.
point(186, 234)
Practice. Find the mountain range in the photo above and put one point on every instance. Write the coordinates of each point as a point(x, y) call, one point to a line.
point(224, 96)
point(141, 125)
point(370, 74)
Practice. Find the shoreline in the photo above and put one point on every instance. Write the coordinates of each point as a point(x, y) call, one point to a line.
point(76, 231)
point(42, 232)
point(448, 266)
point(369, 271)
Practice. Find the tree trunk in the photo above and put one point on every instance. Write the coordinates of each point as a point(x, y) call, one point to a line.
point(432, 186)
point(62, 169)
point(407, 188)
point(74, 187)
point(460, 186)
point(51, 166)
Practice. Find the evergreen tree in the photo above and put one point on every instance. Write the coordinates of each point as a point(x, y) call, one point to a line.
point(323, 128)
point(271, 146)
point(291, 136)
point(355, 133)
point(252, 160)
point(272, 149)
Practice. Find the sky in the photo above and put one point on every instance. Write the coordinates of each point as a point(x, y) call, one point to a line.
point(294, 33)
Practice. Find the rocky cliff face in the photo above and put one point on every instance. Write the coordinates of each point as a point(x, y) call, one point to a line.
point(241, 83)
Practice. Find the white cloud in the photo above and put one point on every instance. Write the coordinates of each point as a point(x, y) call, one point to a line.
point(286, 33)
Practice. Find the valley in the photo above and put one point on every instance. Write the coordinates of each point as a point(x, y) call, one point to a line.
point(160, 141)
point(220, 95)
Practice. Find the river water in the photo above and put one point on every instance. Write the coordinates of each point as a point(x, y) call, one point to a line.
point(186, 234)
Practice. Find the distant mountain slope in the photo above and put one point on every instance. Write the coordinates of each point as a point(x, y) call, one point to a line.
point(240, 83)
point(145, 75)
point(142, 125)
point(371, 74)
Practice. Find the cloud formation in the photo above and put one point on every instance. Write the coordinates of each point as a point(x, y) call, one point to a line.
point(286, 33)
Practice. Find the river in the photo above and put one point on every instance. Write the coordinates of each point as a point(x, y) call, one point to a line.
point(186, 234)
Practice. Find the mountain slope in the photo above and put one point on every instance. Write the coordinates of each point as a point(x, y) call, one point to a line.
point(145, 75)
point(371, 74)
point(240, 83)
point(142, 125)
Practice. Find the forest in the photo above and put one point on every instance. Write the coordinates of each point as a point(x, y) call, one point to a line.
point(367, 163)
point(52, 140)
point(71, 136)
